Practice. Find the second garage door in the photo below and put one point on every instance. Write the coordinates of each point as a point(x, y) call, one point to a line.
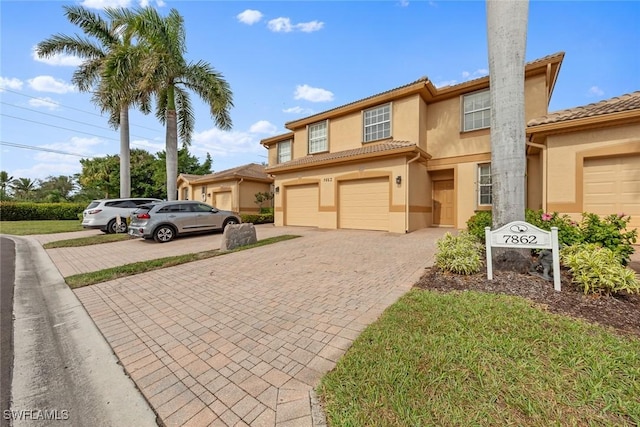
point(612, 185)
point(364, 204)
point(223, 201)
point(302, 205)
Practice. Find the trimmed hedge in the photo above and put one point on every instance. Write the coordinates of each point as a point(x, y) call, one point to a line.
point(257, 219)
point(29, 211)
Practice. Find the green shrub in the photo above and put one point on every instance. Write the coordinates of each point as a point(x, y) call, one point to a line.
point(460, 254)
point(477, 223)
point(257, 219)
point(597, 270)
point(28, 211)
point(569, 232)
point(609, 232)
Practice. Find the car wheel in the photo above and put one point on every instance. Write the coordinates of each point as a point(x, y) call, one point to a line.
point(163, 234)
point(229, 221)
point(112, 227)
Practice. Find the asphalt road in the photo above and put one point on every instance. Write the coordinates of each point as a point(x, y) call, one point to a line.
point(64, 372)
point(7, 278)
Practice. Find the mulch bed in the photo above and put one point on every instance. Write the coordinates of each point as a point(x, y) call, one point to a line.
point(621, 312)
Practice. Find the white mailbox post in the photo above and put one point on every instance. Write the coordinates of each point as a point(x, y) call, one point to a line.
point(521, 234)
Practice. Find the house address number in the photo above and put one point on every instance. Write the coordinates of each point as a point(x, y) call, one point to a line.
point(327, 179)
point(525, 239)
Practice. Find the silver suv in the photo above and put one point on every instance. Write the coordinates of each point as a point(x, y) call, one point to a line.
point(166, 220)
point(103, 214)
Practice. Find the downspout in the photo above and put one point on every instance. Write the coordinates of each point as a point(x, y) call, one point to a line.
point(238, 195)
point(406, 193)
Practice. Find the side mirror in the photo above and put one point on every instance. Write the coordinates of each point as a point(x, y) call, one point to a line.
point(214, 210)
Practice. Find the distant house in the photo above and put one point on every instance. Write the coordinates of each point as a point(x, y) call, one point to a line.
point(232, 189)
point(419, 156)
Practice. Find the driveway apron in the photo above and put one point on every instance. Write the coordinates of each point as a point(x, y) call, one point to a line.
point(242, 339)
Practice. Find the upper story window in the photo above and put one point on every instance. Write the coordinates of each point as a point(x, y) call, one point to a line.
point(485, 193)
point(318, 141)
point(377, 123)
point(476, 111)
point(284, 151)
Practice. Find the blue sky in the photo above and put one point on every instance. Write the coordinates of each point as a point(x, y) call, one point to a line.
point(289, 59)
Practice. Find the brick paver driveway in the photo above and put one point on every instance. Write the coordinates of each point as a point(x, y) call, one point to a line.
point(243, 338)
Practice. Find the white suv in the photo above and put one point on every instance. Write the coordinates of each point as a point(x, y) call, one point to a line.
point(103, 214)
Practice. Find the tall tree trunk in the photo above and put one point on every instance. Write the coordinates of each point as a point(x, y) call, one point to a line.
point(125, 153)
point(172, 155)
point(507, 39)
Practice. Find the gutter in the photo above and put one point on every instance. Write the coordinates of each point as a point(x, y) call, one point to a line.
point(238, 195)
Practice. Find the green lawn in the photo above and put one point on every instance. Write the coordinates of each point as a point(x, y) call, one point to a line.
point(23, 228)
point(475, 359)
point(87, 241)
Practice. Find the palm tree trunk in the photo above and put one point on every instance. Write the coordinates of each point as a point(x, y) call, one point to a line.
point(125, 153)
point(507, 38)
point(172, 155)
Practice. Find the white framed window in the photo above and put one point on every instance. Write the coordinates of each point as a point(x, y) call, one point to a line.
point(318, 141)
point(185, 193)
point(204, 192)
point(284, 151)
point(476, 111)
point(485, 193)
point(377, 123)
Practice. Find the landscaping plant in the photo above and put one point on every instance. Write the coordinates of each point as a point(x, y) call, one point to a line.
point(598, 270)
point(460, 254)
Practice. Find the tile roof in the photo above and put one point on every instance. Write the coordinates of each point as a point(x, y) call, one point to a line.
point(366, 149)
point(250, 171)
point(626, 102)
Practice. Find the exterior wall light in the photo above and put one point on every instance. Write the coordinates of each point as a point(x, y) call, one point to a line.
point(398, 179)
point(277, 190)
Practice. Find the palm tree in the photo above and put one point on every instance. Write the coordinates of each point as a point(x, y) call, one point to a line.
point(5, 181)
point(507, 37)
point(23, 187)
point(170, 77)
point(108, 69)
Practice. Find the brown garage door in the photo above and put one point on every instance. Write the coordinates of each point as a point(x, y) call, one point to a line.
point(302, 205)
point(364, 204)
point(223, 201)
point(612, 185)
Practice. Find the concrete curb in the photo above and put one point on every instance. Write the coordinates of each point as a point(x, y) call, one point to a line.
point(63, 367)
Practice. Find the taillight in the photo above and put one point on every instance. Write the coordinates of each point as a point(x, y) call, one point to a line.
point(94, 211)
point(143, 216)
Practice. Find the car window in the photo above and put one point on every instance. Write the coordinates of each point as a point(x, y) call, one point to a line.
point(93, 205)
point(200, 207)
point(142, 202)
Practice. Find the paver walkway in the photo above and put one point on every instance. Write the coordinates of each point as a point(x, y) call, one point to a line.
point(243, 339)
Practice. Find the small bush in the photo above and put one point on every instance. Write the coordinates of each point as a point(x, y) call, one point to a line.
point(28, 211)
point(257, 219)
point(569, 232)
point(597, 270)
point(460, 254)
point(477, 223)
point(609, 232)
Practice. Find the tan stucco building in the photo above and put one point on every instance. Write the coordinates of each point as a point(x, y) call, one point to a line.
point(232, 189)
point(419, 156)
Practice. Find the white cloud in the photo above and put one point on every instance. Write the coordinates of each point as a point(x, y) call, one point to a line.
point(595, 91)
point(404, 3)
point(309, 27)
point(480, 72)
point(249, 16)
point(284, 25)
point(312, 94)
point(45, 102)
point(10, 83)
point(50, 84)
point(225, 144)
point(298, 110)
point(57, 60)
point(263, 126)
point(150, 146)
point(445, 83)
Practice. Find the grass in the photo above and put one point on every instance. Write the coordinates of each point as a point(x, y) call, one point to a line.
point(86, 279)
point(23, 228)
point(471, 358)
point(87, 241)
